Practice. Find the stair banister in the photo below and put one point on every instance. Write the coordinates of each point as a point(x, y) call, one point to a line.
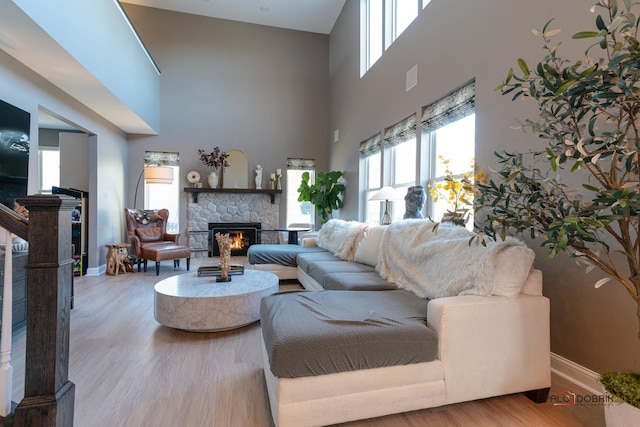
point(13, 224)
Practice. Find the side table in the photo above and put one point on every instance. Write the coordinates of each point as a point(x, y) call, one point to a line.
point(118, 259)
point(293, 233)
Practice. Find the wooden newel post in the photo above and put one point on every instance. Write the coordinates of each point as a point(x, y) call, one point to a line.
point(48, 393)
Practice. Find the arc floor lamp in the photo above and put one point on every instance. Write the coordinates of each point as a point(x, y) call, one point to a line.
point(154, 174)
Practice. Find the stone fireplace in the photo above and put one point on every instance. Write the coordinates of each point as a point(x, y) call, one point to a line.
point(228, 206)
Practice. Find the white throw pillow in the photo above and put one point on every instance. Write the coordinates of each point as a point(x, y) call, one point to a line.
point(512, 267)
point(340, 237)
point(368, 248)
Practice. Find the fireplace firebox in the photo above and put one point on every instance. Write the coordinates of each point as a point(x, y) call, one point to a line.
point(243, 235)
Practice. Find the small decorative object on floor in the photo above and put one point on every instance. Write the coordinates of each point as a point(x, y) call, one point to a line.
point(118, 259)
point(224, 245)
point(414, 200)
point(278, 179)
point(259, 177)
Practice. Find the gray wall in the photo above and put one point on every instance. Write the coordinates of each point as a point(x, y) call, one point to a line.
point(241, 86)
point(453, 41)
point(74, 165)
point(107, 151)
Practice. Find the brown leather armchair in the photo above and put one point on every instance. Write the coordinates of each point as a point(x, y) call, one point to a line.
point(147, 229)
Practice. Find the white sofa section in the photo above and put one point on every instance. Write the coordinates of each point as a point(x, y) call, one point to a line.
point(489, 345)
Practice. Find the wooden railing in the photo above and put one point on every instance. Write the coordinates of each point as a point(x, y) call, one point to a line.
point(49, 395)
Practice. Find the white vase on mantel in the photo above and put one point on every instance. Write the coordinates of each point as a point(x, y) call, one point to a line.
point(212, 180)
point(621, 415)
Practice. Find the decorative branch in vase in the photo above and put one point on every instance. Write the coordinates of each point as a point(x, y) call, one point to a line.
point(216, 159)
point(224, 246)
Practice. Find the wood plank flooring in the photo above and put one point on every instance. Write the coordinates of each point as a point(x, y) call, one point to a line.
point(131, 371)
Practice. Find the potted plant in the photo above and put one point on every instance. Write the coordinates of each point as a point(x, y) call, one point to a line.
point(324, 193)
point(457, 190)
point(590, 119)
point(216, 159)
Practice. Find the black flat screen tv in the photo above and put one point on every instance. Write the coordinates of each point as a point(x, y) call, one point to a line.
point(14, 152)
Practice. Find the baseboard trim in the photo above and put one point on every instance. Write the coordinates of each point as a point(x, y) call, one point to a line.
point(577, 374)
point(97, 271)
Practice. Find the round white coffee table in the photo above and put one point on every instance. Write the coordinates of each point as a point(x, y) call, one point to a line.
point(200, 304)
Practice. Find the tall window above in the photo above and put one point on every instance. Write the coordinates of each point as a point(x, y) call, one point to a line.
point(381, 23)
point(164, 196)
point(370, 177)
point(299, 212)
point(400, 13)
point(448, 127)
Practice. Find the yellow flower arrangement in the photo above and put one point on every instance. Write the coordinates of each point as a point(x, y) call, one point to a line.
point(458, 192)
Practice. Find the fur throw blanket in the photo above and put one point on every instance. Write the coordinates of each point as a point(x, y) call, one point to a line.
point(341, 237)
point(438, 264)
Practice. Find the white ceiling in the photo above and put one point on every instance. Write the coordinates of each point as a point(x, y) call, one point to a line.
point(316, 16)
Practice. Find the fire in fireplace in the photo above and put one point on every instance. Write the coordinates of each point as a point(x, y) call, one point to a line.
point(243, 235)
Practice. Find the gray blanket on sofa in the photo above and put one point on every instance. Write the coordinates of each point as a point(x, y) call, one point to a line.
point(316, 333)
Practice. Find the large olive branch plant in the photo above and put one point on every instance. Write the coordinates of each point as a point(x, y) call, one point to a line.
point(590, 117)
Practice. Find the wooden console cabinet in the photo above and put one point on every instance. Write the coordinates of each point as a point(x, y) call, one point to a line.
point(19, 289)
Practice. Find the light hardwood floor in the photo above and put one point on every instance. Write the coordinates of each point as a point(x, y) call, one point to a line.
point(131, 371)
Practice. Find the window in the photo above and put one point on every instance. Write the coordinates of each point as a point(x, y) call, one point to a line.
point(164, 196)
point(400, 14)
point(381, 23)
point(299, 212)
point(374, 35)
point(49, 165)
point(370, 177)
point(449, 133)
point(400, 154)
point(402, 158)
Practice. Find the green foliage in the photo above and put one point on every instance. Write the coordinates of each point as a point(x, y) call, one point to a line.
point(589, 117)
point(623, 385)
point(324, 193)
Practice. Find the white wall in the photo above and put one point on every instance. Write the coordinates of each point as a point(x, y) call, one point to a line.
point(84, 28)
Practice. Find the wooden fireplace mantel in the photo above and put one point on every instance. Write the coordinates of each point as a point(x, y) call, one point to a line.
point(196, 191)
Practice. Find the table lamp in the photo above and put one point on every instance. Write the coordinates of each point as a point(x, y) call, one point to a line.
point(386, 193)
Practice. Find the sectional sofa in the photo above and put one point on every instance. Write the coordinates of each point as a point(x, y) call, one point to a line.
point(399, 318)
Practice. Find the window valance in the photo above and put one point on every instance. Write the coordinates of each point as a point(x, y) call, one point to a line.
point(300, 164)
point(402, 131)
point(161, 158)
point(370, 146)
point(453, 107)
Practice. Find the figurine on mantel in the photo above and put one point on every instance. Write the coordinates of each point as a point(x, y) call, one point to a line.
point(259, 177)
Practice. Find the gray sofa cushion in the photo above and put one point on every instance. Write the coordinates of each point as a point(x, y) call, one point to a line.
point(363, 281)
point(278, 254)
point(319, 270)
point(317, 333)
point(305, 260)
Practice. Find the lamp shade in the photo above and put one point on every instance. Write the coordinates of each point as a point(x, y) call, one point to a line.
point(387, 193)
point(158, 175)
